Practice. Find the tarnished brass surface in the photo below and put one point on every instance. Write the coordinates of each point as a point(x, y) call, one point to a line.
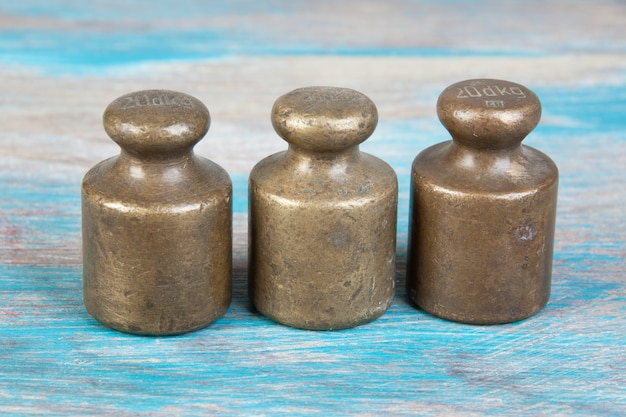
point(157, 220)
point(483, 209)
point(322, 215)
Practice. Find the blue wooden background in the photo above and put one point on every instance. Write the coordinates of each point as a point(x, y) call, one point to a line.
point(62, 62)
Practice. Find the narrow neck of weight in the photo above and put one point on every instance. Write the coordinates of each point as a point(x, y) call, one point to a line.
point(461, 148)
point(349, 154)
point(142, 166)
point(178, 157)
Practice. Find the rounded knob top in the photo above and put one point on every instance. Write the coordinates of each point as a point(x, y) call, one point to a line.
point(488, 114)
point(152, 122)
point(324, 119)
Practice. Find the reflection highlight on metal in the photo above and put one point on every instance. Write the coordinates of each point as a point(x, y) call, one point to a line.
point(157, 221)
point(483, 209)
point(322, 220)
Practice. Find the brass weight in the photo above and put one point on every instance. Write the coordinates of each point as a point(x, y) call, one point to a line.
point(483, 209)
point(322, 224)
point(156, 220)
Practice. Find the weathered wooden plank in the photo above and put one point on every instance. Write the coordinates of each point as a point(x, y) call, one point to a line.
point(65, 61)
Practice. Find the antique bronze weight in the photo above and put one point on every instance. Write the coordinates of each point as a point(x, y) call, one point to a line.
point(483, 209)
point(322, 225)
point(157, 220)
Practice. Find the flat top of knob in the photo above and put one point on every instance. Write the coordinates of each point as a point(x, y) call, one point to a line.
point(152, 122)
point(488, 114)
point(324, 119)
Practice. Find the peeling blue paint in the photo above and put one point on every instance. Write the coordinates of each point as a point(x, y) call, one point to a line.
point(56, 359)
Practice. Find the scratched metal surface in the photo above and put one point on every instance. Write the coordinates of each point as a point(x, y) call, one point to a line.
point(62, 62)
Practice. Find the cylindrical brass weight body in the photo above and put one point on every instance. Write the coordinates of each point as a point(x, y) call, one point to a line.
point(322, 223)
point(157, 220)
point(483, 209)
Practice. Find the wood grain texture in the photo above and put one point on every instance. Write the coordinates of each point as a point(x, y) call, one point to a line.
point(64, 61)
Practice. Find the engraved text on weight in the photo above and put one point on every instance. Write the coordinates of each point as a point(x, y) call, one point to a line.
point(143, 100)
point(471, 91)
